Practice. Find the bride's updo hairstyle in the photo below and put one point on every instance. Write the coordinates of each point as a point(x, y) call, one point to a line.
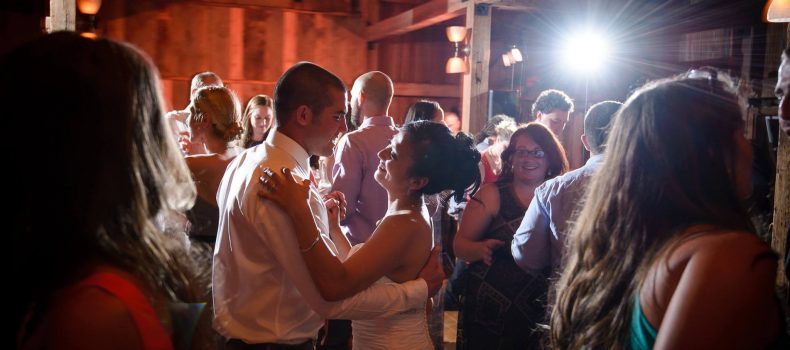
point(449, 162)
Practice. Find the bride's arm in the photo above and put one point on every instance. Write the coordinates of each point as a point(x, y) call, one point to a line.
point(335, 280)
point(380, 255)
point(335, 205)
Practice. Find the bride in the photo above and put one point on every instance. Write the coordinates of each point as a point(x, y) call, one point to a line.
point(424, 158)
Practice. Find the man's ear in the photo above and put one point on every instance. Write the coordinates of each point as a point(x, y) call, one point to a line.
point(586, 143)
point(304, 115)
point(361, 99)
point(416, 183)
point(538, 116)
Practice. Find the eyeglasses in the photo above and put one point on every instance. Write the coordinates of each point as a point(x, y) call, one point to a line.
point(538, 153)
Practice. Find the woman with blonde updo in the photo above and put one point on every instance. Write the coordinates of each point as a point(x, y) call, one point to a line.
point(214, 123)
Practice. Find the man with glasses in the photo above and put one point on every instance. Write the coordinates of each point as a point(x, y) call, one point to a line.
point(539, 241)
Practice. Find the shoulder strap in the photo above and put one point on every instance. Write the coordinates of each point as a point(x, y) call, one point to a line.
point(152, 333)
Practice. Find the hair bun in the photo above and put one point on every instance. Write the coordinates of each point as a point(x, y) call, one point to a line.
point(232, 132)
point(467, 157)
point(449, 163)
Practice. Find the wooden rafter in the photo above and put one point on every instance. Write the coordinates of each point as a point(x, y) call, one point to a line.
point(419, 17)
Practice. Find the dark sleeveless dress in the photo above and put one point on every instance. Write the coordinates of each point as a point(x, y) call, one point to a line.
point(204, 220)
point(501, 304)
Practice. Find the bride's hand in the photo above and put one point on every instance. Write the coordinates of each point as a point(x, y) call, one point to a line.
point(283, 189)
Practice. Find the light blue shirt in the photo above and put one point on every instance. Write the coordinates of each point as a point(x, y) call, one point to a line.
point(539, 240)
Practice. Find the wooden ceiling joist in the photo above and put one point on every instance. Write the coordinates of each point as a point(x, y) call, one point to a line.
point(419, 17)
point(305, 6)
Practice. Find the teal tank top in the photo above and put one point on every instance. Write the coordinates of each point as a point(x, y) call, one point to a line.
point(643, 336)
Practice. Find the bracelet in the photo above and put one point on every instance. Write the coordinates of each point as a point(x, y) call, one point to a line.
point(317, 239)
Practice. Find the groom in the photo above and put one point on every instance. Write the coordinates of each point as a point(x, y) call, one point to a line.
point(264, 297)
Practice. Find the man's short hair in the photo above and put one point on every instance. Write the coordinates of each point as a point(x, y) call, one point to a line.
point(550, 100)
point(304, 84)
point(597, 123)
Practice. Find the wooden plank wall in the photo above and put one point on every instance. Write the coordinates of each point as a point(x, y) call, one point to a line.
point(249, 47)
point(417, 57)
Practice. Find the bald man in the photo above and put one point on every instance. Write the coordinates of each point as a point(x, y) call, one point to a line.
point(356, 156)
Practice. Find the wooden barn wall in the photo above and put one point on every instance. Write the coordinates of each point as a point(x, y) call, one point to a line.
point(417, 57)
point(249, 47)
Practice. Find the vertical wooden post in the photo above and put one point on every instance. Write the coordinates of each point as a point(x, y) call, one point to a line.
point(782, 181)
point(474, 100)
point(782, 204)
point(62, 15)
point(371, 13)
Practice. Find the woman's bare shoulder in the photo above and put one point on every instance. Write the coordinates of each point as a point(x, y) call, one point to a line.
point(488, 194)
point(403, 220)
point(733, 244)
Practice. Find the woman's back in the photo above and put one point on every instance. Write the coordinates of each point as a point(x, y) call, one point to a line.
point(420, 241)
point(409, 329)
point(712, 289)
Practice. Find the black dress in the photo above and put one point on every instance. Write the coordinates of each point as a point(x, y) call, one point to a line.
point(501, 305)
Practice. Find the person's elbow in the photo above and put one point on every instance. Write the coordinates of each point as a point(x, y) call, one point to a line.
point(518, 256)
point(336, 289)
point(525, 255)
point(333, 295)
point(460, 245)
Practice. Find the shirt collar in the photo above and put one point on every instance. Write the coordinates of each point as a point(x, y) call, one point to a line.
point(594, 160)
point(280, 141)
point(382, 120)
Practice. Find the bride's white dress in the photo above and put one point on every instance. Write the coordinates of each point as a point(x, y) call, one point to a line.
point(407, 330)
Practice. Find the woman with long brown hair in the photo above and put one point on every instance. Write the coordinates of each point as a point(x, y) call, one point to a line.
point(92, 267)
point(257, 120)
point(663, 254)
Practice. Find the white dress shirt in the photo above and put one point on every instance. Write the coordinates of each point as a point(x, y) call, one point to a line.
point(262, 289)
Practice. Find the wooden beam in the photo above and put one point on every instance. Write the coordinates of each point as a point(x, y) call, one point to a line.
point(419, 17)
point(427, 90)
point(413, 2)
point(782, 181)
point(307, 6)
point(781, 204)
point(62, 15)
point(474, 101)
point(371, 13)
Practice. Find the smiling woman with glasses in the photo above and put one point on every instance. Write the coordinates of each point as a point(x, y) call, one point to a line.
point(489, 222)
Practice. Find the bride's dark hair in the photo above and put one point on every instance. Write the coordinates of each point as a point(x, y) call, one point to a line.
point(449, 162)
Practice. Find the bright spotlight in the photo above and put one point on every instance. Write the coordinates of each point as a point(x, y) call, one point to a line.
point(586, 52)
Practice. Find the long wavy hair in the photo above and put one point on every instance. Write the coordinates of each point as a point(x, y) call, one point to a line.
point(669, 164)
point(555, 153)
point(99, 185)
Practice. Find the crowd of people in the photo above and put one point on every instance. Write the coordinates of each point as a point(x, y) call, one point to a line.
point(210, 227)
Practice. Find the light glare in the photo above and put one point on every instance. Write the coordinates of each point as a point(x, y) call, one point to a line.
point(586, 52)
